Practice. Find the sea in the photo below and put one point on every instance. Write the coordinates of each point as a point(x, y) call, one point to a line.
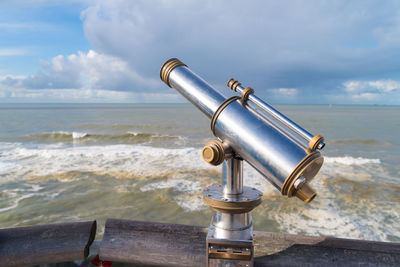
point(78, 162)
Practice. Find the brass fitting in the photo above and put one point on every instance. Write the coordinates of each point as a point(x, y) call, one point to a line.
point(315, 141)
point(306, 193)
point(232, 83)
point(168, 66)
point(307, 168)
point(245, 94)
point(213, 152)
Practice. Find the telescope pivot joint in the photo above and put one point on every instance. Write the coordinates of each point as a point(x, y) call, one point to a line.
point(214, 152)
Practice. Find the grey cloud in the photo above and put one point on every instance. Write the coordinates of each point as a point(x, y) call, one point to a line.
point(310, 45)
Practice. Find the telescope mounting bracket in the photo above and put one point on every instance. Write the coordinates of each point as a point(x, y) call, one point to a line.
point(230, 235)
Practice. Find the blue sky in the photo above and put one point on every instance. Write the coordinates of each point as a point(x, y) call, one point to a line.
point(290, 52)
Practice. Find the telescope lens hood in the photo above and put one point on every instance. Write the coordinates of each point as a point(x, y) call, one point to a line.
point(168, 66)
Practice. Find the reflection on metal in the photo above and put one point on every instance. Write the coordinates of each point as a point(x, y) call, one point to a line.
point(247, 129)
point(294, 131)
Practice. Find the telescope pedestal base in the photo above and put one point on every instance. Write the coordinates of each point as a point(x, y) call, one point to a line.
point(230, 240)
point(230, 236)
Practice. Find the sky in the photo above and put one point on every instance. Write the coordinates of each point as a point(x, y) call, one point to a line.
point(290, 52)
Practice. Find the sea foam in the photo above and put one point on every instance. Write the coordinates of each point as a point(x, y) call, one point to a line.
point(78, 135)
point(136, 160)
point(347, 160)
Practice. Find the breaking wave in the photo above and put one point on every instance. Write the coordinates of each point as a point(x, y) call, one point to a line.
point(87, 138)
point(359, 141)
point(347, 160)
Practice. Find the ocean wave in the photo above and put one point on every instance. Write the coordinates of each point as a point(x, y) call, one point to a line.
point(123, 127)
point(135, 160)
point(180, 185)
point(347, 160)
point(344, 208)
point(87, 138)
point(360, 141)
point(16, 202)
point(347, 204)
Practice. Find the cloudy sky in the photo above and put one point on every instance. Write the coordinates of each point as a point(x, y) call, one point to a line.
point(290, 52)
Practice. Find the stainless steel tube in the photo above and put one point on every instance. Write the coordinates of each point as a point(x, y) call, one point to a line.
point(299, 140)
point(272, 153)
point(227, 225)
point(305, 136)
point(232, 226)
point(194, 88)
point(232, 176)
point(297, 133)
point(276, 114)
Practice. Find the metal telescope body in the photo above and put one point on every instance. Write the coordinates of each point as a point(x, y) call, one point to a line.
point(247, 129)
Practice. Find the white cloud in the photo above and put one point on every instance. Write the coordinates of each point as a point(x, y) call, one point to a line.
point(385, 85)
point(365, 96)
point(84, 96)
point(84, 70)
point(380, 86)
point(378, 91)
point(284, 91)
point(5, 77)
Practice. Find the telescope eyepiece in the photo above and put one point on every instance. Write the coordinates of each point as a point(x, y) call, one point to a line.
point(306, 193)
point(168, 66)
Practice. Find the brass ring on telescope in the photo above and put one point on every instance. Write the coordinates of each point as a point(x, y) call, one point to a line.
point(232, 83)
point(315, 141)
point(232, 207)
point(245, 94)
point(220, 109)
point(288, 188)
point(214, 197)
point(168, 66)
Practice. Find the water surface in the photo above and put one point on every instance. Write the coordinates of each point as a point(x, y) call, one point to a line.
point(71, 162)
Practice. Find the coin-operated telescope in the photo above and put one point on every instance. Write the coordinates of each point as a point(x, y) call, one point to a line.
point(247, 129)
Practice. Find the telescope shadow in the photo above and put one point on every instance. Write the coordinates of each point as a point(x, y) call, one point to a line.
point(275, 249)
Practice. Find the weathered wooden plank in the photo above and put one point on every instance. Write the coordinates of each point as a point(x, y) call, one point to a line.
point(49, 243)
point(182, 245)
point(153, 243)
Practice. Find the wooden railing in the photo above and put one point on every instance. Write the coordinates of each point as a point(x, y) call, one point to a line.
point(49, 243)
point(163, 244)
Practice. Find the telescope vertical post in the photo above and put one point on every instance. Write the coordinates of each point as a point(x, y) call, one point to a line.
point(232, 176)
point(230, 236)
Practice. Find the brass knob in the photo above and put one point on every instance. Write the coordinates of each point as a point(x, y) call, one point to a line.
point(306, 193)
point(213, 152)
